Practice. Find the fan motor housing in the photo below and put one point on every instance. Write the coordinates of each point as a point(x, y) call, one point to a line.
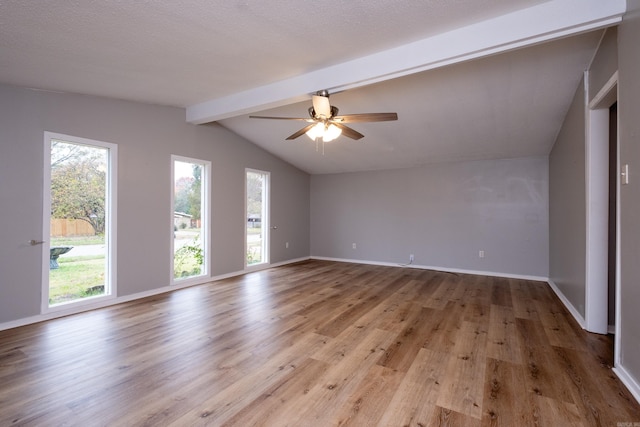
point(334, 112)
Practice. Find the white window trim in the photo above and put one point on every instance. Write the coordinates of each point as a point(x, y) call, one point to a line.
point(266, 221)
point(111, 290)
point(206, 221)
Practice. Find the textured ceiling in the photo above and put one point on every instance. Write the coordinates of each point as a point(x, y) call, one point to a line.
point(504, 106)
point(183, 53)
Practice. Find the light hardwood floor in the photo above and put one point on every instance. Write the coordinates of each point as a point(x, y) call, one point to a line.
point(318, 344)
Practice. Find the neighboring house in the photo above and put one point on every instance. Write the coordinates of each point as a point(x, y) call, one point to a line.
point(253, 221)
point(181, 220)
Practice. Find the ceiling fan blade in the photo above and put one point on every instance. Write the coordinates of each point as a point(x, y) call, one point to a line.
point(301, 131)
point(366, 117)
point(348, 132)
point(321, 106)
point(280, 118)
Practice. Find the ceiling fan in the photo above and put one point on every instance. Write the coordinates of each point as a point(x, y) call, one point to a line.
point(324, 121)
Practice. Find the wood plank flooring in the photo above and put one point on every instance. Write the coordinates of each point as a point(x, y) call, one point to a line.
point(318, 343)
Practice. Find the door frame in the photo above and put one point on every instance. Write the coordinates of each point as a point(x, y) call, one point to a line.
point(265, 220)
point(110, 224)
point(597, 202)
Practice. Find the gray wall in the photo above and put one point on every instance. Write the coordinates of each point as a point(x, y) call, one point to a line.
point(567, 188)
point(567, 205)
point(442, 213)
point(629, 137)
point(146, 136)
point(605, 62)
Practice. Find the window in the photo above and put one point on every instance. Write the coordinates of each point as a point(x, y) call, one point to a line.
point(78, 220)
point(257, 218)
point(190, 218)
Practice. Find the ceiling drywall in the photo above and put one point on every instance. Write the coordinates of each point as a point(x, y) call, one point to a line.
point(222, 59)
point(504, 106)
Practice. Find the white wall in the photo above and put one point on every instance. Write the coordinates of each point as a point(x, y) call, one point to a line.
point(146, 136)
point(443, 213)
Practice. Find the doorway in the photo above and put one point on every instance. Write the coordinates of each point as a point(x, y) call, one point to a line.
point(613, 215)
point(602, 192)
point(78, 221)
point(603, 211)
point(257, 218)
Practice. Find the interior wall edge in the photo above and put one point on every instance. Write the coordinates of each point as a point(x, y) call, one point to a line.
point(565, 301)
point(628, 380)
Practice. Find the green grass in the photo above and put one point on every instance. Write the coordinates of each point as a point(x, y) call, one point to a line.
point(83, 276)
point(77, 241)
point(76, 278)
point(253, 253)
point(186, 268)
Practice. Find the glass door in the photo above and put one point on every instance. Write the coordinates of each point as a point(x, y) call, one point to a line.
point(79, 220)
point(257, 218)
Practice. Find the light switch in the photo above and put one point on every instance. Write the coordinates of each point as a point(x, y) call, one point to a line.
point(624, 174)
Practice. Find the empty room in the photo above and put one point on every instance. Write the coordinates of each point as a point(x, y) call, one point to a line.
point(292, 213)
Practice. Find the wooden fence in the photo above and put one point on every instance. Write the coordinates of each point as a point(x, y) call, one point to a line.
point(70, 227)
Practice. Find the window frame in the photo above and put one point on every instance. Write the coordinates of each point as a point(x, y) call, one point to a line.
point(205, 216)
point(265, 220)
point(111, 210)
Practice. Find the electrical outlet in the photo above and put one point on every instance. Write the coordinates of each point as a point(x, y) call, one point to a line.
point(411, 258)
point(480, 254)
point(286, 245)
point(353, 245)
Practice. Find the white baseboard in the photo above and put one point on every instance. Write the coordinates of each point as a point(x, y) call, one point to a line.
point(630, 382)
point(444, 269)
point(62, 311)
point(575, 313)
point(275, 264)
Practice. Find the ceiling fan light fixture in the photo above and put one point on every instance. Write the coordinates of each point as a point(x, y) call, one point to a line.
point(324, 131)
point(316, 132)
point(324, 122)
point(331, 133)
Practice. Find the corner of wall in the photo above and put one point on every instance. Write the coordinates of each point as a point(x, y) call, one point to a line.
point(574, 312)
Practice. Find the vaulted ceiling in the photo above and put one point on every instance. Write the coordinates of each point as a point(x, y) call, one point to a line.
point(469, 79)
